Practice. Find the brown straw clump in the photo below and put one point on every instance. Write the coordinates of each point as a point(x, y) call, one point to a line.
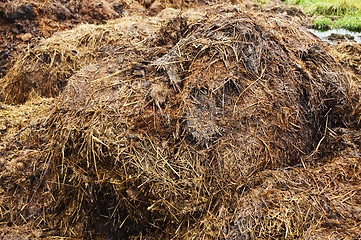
point(43, 69)
point(21, 167)
point(223, 134)
point(318, 203)
point(349, 54)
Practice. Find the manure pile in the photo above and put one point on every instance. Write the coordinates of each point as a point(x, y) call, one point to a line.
point(223, 124)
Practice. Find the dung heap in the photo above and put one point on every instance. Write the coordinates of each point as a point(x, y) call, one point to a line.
point(246, 128)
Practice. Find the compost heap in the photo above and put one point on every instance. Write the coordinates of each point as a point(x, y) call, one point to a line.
point(245, 128)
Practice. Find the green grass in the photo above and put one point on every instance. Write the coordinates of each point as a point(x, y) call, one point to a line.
point(349, 22)
point(262, 1)
point(323, 23)
point(333, 13)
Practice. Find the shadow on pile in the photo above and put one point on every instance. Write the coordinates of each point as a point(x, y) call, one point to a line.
point(246, 128)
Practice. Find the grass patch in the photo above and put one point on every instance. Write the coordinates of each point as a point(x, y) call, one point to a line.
point(324, 23)
point(343, 8)
point(334, 14)
point(352, 23)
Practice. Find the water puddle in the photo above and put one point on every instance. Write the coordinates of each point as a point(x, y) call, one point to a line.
point(335, 35)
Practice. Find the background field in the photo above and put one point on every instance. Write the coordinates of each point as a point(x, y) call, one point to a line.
point(332, 13)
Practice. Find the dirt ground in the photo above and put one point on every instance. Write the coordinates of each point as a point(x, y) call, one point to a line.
point(26, 194)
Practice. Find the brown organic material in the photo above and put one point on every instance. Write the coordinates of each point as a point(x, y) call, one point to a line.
point(155, 8)
point(349, 54)
point(175, 144)
point(44, 69)
point(211, 124)
point(28, 21)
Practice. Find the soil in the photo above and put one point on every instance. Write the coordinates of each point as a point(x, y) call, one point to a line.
point(341, 38)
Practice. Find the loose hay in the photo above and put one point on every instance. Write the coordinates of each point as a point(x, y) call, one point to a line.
point(349, 54)
point(247, 128)
point(21, 168)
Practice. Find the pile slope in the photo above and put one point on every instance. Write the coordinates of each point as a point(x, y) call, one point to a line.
point(349, 55)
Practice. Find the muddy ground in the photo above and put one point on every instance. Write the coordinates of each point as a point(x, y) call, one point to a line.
point(25, 23)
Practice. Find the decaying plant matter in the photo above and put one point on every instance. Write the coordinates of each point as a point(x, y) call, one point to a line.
point(349, 54)
point(247, 128)
point(44, 69)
